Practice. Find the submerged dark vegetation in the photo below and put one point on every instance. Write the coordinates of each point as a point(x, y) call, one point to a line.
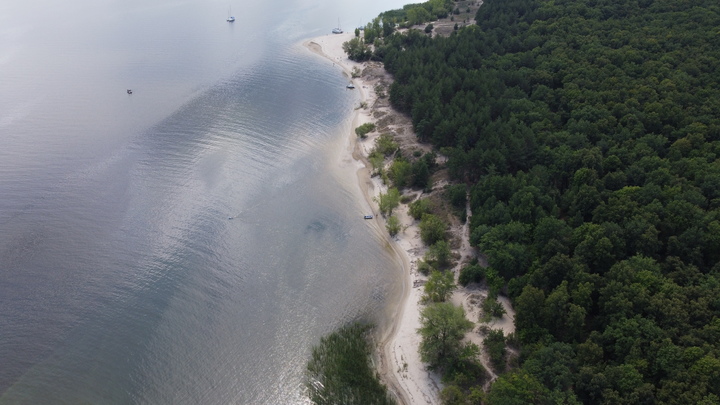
point(340, 370)
point(588, 135)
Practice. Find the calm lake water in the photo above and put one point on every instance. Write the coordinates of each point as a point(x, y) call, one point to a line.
point(122, 278)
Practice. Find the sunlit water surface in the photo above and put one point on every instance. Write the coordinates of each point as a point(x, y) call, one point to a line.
point(122, 277)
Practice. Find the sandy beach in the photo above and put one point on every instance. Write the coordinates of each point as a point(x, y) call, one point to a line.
point(400, 365)
point(398, 359)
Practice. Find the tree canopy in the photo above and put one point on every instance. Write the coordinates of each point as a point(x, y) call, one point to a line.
point(443, 325)
point(439, 286)
point(389, 201)
point(588, 132)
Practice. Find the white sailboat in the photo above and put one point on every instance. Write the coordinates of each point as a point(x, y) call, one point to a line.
point(337, 30)
point(230, 16)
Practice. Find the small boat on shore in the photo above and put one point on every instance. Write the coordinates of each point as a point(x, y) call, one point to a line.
point(337, 30)
point(350, 86)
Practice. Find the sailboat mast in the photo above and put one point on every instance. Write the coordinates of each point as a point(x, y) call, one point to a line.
point(230, 16)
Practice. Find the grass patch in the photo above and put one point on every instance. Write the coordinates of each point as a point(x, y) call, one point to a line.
point(340, 372)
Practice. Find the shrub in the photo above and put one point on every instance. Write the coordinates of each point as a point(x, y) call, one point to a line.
point(452, 395)
point(387, 202)
point(494, 281)
point(429, 159)
point(385, 144)
point(472, 273)
point(467, 372)
point(393, 225)
point(492, 308)
point(439, 254)
point(424, 267)
point(494, 344)
point(380, 91)
point(420, 207)
point(432, 229)
point(377, 160)
point(364, 129)
point(421, 174)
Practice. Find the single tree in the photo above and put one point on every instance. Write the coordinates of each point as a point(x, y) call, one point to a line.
point(357, 50)
point(389, 201)
point(443, 325)
point(421, 174)
point(471, 273)
point(439, 286)
point(439, 254)
point(432, 229)
point(401, 173)
point(393, 225)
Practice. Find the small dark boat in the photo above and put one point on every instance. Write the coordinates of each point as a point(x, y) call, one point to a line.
point(368, 217)
point(129, 91)
point(350, 86)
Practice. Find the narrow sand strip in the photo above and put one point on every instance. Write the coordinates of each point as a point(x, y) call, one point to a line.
point(399, 361)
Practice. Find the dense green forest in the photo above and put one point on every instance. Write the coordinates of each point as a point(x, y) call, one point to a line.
point(588, 134)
